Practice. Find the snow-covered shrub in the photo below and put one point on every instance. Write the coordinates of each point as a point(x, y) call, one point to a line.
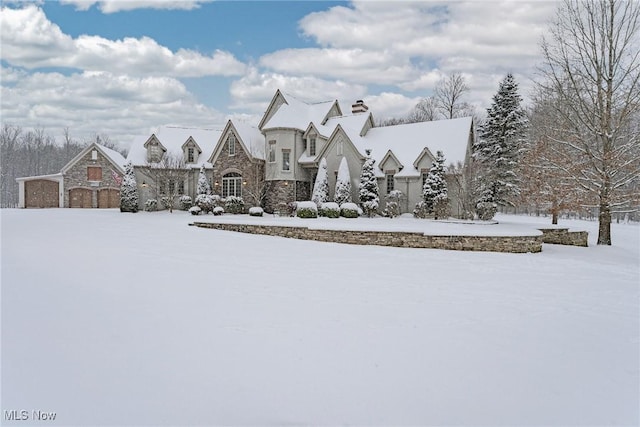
point(218, 210)
point(306, 210)
point(151, 205)
point(330, 210)
point(195, 210)
point(421, 210)
point(129, 190)
point(350, 210)
point(368, 189)
point(486, 210)
point(205, 202)
point(321, 186)
point(185, 202)
point(203, 182)
point(392, 207)
point(234, 205)
point(256, 211)
point(342, 192)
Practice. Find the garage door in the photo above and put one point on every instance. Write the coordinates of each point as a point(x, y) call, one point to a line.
point(80, 198)
point(41, 193)
point(108, 198)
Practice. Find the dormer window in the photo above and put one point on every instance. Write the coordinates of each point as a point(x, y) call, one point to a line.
point(191, 158)
point(232, 145)
point(155, 152)
point(312, 146)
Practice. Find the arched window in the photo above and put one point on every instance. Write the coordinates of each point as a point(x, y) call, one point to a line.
point(232, 184)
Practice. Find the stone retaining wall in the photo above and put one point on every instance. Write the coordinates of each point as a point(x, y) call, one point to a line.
point(562, 236)
point(512, 244)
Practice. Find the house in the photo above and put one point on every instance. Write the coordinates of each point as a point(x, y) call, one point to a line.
point(299, 134)
point(90, 180)
point(167, 163)
point(275, 163)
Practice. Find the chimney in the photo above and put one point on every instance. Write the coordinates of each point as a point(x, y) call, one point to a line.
point(359, 107)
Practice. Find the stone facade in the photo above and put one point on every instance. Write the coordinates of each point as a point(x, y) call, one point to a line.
point(562, 236)
point(281, 194)
point(252, 171)
point(77, 176)
point(511, 244)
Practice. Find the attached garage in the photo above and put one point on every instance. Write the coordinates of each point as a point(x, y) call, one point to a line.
point(80, 198)
point(108, 198)
point(42, 193)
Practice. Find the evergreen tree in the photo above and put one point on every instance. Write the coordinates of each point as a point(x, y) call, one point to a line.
point(343, 184)
point(321, 186)
point(434, 191)
point(203, 183)
point(499, 145)
point(129, 190)
point(368, 188)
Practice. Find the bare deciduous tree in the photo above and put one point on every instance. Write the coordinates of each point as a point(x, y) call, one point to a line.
point(448, 95)
point(592, 64)
point(167, 178)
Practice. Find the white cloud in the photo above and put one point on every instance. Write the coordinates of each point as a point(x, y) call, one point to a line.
point(30, 40)
point(255, 90)
point(388, 104)
point(99, 102)
point(112, 6)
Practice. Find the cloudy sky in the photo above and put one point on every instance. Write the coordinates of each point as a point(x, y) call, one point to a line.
point(121, 68)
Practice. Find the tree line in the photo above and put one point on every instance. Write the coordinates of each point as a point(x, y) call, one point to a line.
point(35, 152)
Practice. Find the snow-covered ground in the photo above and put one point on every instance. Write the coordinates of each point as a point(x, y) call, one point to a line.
point(138, 319)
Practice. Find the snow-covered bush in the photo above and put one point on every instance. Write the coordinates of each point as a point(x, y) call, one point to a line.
point(203, 182)
point(205, 202)
point(129, 190)
point(234, 205)
point(486, 210)
point(185, 202)
point(306, 210)
point(368, 189)
point(195, 210)
point(421, 210)
point(151, 205)
point(434, 191)
point(330, 210)
point(256, 211)
point(392, 207)
point(350, 210)
point(218, 210)
point(343, 183)
point(321, 186)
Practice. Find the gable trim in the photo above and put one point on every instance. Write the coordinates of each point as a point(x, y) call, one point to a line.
point(84, 152)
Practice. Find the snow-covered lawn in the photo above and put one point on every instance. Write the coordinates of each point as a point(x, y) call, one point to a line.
point(138, 319)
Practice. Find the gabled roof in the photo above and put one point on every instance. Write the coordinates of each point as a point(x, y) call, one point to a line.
point(192, 141)
point(113, 156)
point(249, 137)
point(296, 114)
point(392, 156)
point(408, 141)
point(173, 138)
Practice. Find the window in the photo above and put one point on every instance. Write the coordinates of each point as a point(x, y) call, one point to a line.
point(232, 184)
point(424, 177)
point(162, 188)
point(191, 155)
point(172, 186)
point(232, 145)
point(286, 165)
point(312, 146)
point(94, 173)
point(339, 148)
point(181, 187)
point(94, 155)
point(155, 153)
point(390, 182)
point(272, 151)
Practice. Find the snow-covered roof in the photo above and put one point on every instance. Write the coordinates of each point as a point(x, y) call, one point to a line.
point(113, 156)
point(251, 137)
point(172, 139)
point(407, 142)
point(297, 114)
point(354, 122)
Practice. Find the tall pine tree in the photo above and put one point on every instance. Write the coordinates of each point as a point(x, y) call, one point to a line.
point(434, 191)
point(321, 187)
point(368, 188)
point(498, 148)
point(343, 184)
point(129, 190)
